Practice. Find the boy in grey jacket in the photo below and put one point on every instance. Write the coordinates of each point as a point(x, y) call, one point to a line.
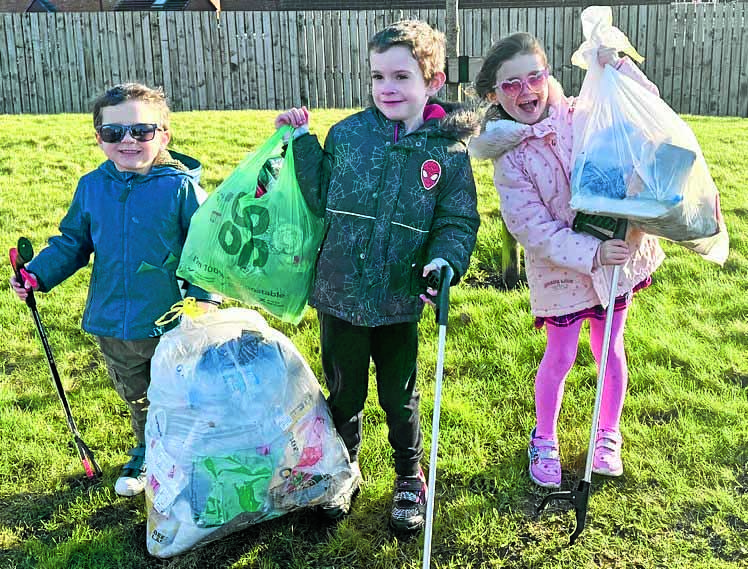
point(132, 213)
point(396, 189)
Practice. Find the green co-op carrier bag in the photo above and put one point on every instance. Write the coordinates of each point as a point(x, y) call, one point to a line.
point(258, 250)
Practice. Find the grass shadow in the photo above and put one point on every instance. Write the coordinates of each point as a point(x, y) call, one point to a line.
point(117, 531)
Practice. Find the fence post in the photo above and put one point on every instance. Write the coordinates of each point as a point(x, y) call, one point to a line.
point(453, 43)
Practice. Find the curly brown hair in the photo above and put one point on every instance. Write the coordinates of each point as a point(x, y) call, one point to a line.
point(128, 92)
point(426, 44)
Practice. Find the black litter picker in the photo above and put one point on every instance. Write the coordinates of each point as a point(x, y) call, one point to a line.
point(19, 256)
point(604, 228)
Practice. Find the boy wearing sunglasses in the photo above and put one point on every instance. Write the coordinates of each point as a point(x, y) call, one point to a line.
point(566, 271)
point(132, 213)
point(396, 189)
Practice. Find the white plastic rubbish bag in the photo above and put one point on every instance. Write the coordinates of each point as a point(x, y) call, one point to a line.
point(634, 157)
point(238, 432)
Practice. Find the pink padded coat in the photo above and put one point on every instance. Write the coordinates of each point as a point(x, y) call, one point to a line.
point(531, 175)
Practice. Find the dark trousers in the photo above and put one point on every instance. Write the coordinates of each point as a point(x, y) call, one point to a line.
point(346, 352)
point(129, 366)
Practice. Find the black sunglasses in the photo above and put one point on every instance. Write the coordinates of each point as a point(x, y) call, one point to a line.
point(142, 132)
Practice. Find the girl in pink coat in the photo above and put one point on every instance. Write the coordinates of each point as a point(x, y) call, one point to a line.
point(569, 274)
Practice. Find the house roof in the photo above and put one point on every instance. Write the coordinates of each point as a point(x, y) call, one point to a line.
point(43, 5)
point(143, 5)
point(177, 5)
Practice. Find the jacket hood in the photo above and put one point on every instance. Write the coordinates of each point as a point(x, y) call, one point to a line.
point(501, 135)
point(499, 138)
point(459, 123)
point(453, 120)
point(166, 162)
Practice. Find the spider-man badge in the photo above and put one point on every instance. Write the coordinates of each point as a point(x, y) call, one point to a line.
point(431, 171)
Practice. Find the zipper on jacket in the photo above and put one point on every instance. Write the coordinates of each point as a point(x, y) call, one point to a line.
point(125, 192)
point(125, 260)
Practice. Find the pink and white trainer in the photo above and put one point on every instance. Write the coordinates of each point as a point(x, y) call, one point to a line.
point(607, 458)
point(545, 464)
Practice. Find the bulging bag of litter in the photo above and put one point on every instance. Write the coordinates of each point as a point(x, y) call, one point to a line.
point(634, 157)
point(254, 239)
point(238, 432)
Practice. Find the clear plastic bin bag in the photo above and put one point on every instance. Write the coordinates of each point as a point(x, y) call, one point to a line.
point(634, 157)
point(238, 431)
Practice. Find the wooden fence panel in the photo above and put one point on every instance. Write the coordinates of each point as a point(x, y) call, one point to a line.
point(309, 75)
point(733, 59)
point(328, 40)
point(683, 59)
point(5, 85)
point(710, 57)
point(48, 38)
point(740, 64)
point(363, 57)
point(301, 33)
point(648, 40)
point(697, 75)
point(24, 46)
point(58, 57)
point(354, 52)
point(38, 73)
point(231, 58)
point(719, 88)
point(219, 42)
point(146, 46)
point(127, 53)
point(10, 61)
point(697, 54)
point(249, 77)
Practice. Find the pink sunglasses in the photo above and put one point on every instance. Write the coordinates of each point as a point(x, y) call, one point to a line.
point(535, 82)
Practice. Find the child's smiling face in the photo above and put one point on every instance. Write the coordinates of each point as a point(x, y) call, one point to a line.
point(398, 87)
point(130, 155)
point(529, 105)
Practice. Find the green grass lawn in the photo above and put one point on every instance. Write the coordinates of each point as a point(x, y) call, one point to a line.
point(682, 502)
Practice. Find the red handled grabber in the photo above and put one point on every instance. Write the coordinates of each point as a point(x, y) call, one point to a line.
point(603, 228)
point(19, 256)
point(442, 314)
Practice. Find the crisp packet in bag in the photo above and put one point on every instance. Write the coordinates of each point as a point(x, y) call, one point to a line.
point(238, 432)
point(634, 157)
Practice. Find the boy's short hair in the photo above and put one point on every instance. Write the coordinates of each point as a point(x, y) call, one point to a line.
point(132, 91)
point(426, 44)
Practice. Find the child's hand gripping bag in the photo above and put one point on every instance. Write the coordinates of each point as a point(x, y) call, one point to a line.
point(634, 157)
point(238, 432)
point(254, 239)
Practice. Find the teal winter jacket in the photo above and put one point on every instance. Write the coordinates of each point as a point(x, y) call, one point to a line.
point(135, 225)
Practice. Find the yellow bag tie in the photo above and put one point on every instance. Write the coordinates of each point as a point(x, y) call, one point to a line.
point(187, 307)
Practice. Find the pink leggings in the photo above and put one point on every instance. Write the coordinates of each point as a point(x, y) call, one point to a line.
point(560, 354)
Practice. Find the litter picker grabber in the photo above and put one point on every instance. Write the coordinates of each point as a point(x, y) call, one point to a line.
point(603, 228)
point(442, 314)
point(19, 256)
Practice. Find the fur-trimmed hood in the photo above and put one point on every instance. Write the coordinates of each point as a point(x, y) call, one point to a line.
point(460, 122)
point(499, 138)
